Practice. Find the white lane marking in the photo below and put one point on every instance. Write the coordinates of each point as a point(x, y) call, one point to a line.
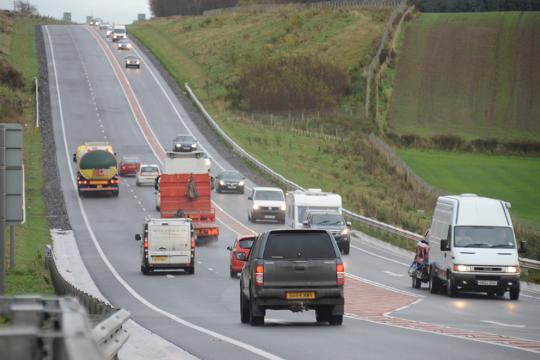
point(169, 276)
point(380, 256)
point(112, 269)
point(503, 324)
point(210, 269)
point(531, 297)
point(199, 262)
point(393, 274)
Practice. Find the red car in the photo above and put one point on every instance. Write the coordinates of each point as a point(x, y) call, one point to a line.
point(129, 165)
point(239, 253)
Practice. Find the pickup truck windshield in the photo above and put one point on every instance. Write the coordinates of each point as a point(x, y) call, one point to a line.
point(483, 237)
point(269, 195)
point(299, 246)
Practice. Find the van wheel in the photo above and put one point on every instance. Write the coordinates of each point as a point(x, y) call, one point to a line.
point(336, 320)
point(434, 283)
point(144, 270)
point(190, 270)
point(451, 289)
point(514, 293)
point(244, 309)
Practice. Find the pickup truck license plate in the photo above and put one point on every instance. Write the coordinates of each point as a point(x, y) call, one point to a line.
point(488, 282)
point(159, 258)
point(300, 295)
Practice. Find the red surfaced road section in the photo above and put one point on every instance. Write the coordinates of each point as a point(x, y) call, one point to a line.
point(364, 300)
point(149, 135)
point(372, 303)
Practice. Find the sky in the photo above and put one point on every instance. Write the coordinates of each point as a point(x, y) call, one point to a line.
point(117, 11)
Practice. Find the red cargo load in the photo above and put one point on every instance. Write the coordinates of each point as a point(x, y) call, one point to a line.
point(194, 200)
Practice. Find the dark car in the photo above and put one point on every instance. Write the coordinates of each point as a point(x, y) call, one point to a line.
point(129, 166)
point(293, 270)
point(230, 180)
point(184, 143)
point(133, 61)
point(334, 223)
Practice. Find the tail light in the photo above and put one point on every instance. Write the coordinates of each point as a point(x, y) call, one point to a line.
point(340, 274)
point(145, 247)
point(192, 248)
point(259, 275)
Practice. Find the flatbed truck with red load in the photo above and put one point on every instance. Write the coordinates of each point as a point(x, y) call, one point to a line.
point(184, 191)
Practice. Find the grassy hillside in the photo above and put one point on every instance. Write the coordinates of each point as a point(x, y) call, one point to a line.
point(474, 75)
point(17, 46)
point(511, 178)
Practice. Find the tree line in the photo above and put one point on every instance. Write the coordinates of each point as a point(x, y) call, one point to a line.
point(475, 5)
point(187, 7)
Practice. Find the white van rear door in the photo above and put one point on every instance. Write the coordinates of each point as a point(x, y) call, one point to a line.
point(180, 236)
point(158, 244)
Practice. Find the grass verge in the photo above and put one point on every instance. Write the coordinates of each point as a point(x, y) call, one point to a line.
point(29, 274)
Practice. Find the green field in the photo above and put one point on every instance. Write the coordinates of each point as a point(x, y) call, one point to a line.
point(475, 75)
point(510, 178)
point(17, 42)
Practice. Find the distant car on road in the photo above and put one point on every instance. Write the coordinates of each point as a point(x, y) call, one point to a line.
point(295, 270)
point(129, 165)
point(230, 180)
point(123, 45)
point(267, 203)
point(147, 174)
point(104, 26)
point(239, 253)
point(133, 61)
point(184, 142)
point(333, 222)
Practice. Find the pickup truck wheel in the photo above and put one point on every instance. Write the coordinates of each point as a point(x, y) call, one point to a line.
point(346, 248)
point(322, 314)
point(336, 320)
point(244, 309)
point(434, 283)
point(254, 320)
point(500, 293)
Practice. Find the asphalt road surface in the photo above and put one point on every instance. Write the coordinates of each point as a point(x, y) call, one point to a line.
point(94, 98)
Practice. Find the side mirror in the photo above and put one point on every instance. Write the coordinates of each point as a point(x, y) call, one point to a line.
point(250, 197)
point(444, 245)
point(229, 248)
point(137, 237)
point(305, 223)
point(241, 256)
point(522, 246)
point(349, 224)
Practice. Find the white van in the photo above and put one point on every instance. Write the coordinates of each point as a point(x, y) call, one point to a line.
point(473, 247)
point(167, 244)
point(298, 202)
point(118, 33)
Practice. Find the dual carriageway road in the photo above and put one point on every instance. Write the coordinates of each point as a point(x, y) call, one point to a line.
point(94, 98)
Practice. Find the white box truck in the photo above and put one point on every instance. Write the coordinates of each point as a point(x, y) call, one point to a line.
point(167, 244)
point(473, 247)
point(298, 202)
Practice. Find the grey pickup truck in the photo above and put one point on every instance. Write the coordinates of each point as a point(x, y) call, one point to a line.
point(293, 270)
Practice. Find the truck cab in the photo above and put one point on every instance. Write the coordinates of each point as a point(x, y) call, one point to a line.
point(167, 244)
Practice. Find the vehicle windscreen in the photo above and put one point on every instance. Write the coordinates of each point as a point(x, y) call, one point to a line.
point(230, 175)
point(97, 160)
point(303, 209)
point(184, 139)
point(484, 237)
point(299, 246)
point(119, 31)
point(149, 169)
point(246, 244)
point(269, 195)
point(327, 220)
point(130, 160)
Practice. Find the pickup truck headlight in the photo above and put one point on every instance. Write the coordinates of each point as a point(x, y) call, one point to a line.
point(344, 232)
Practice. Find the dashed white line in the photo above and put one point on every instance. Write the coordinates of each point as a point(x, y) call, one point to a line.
point(502, 324)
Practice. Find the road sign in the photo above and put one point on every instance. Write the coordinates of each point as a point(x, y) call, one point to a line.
point(89, 19)
point(141, 17)
point(67, 17)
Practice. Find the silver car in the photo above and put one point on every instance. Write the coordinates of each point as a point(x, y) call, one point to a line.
point(147, 174)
